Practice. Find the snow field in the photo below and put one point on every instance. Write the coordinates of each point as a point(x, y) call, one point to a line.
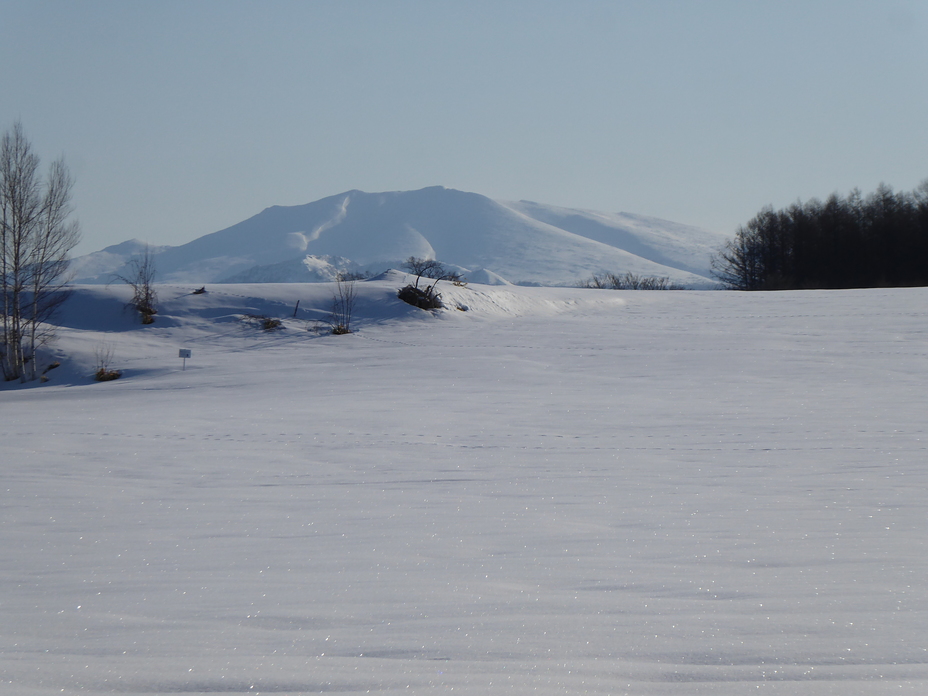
point(555, 491)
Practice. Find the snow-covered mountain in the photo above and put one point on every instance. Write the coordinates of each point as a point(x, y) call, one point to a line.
point(523, 243)
point(101, 265)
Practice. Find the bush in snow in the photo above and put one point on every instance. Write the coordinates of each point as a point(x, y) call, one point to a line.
point(630, 281)
point(342, 306)
point(423, 299)
point(427, 297)
point(104, 355)
point(262, 322)
point(102, 375)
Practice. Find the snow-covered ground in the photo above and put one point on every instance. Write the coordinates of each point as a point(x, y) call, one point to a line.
point(556, 491)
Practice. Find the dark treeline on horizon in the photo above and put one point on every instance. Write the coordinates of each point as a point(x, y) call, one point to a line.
point(852, 242)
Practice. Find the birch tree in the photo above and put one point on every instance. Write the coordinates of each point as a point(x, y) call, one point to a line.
point(36, 238)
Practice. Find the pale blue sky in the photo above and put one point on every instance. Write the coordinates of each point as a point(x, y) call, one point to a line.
point(181, 118)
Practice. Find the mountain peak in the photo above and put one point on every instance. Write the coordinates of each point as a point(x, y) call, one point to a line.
point(523, 242)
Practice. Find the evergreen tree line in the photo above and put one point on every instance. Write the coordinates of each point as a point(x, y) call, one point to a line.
point(880, 240)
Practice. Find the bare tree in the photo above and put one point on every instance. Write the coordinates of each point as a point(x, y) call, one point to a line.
point(141, 277)
point(426, 298)
point(50, 258)
point(429, 268)
point(738, 264)
point(420, 267)
point(36, 239)
point(342, 306)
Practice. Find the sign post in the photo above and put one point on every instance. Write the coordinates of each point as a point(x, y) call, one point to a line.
point(185, 353)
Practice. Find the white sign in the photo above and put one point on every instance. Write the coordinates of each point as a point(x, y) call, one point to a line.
point(185, 353)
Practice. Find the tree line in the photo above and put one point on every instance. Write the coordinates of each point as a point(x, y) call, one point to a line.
point(630, 281)
point(36, 238)
point(880, 240)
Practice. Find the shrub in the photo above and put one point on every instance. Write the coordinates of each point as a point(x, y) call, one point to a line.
point(434, 270)
point(342, 307)
point(262, 322)
point(417, 297)
point(353, 275)
point(427, 298)
point(102, 375)
point(630, 281)
point(104, 355)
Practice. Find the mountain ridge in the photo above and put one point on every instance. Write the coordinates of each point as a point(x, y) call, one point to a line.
point(521, 242)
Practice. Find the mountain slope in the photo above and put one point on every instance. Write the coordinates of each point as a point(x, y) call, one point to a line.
point(99, 266)
point(527, 243)
point(667, 243)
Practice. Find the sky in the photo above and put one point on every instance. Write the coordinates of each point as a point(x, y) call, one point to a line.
point(181, 118)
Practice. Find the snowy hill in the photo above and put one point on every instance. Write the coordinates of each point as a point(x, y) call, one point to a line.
point(100, 266)
point(524, 243)
point(536, 491)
